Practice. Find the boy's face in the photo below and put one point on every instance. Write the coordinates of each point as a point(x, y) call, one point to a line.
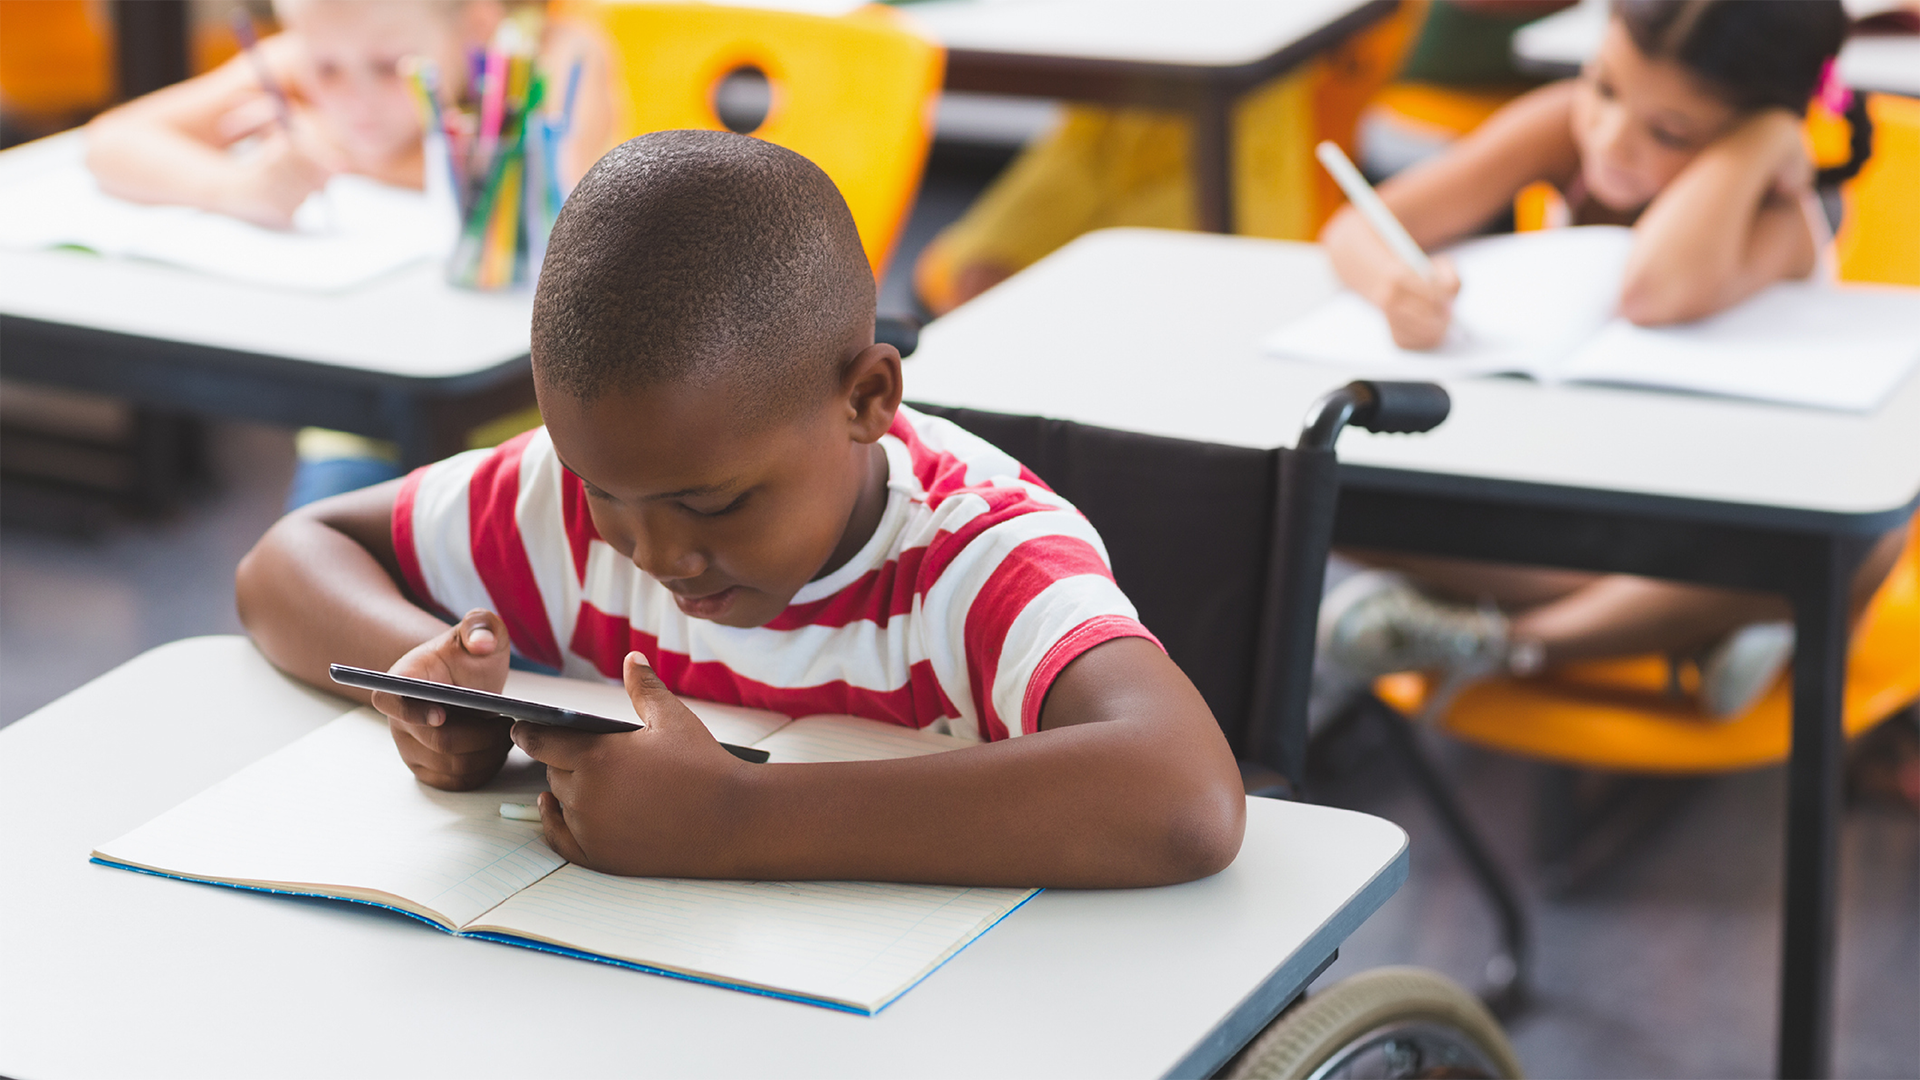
point(732, 520)
point(1639, 121)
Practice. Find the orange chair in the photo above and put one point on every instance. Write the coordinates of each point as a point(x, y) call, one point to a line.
point(854, 94)
point(56, 61)
point(1880, 237)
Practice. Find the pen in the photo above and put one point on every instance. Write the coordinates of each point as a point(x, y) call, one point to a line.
point(1375, 212)
point(250, 44)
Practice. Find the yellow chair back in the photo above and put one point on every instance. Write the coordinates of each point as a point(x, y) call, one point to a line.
point(1880, 237)
point(854, 94)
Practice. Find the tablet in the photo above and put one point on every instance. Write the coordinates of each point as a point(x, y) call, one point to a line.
point(499, 704)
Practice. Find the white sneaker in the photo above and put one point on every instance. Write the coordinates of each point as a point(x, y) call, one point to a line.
point(1376, 623)
point(1736, 673)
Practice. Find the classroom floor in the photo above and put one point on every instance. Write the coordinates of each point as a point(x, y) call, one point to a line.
point(1665, 966)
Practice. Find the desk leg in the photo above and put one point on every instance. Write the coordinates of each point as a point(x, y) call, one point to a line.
point(1212, 159)
point(1813, 818)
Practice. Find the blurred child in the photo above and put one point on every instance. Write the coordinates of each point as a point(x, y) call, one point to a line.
point(1686, 125)
point(729, 501)
point(216, 141)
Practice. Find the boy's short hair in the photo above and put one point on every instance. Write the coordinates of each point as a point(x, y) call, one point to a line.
point(708, 257)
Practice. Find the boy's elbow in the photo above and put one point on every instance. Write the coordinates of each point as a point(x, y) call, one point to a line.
point(1203, 830)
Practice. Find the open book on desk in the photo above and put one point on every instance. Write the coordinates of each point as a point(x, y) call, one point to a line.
point(1542, 304)
point(337, 814)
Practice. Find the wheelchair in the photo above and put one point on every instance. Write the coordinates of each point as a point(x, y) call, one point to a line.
point(1223, 550)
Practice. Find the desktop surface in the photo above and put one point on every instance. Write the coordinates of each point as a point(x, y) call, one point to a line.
point(126, 974)
point(1159, 332)
point(1219, 33)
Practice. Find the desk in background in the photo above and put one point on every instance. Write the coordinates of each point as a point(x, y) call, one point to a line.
point(405, 357)
point(1557, 45)
point(1159, 333)
point(1201, 58)
point(111, 973)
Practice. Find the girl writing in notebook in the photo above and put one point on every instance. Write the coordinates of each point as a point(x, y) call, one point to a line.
point(256, 136)
point(1686, 125)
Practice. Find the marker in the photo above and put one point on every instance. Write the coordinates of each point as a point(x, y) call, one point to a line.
point(514, 811)
point(1367, 202)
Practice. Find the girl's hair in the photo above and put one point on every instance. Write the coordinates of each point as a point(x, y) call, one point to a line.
point(1756, 54)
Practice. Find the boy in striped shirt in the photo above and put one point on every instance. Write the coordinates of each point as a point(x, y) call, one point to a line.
point(729, 502)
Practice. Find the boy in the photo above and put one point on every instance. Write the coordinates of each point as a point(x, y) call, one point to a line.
point(728, 501)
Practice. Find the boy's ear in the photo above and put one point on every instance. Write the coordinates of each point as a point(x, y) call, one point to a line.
point(872, 387)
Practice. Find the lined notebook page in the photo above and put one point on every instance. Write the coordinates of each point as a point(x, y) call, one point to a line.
point(1526, 301)
point(338, 813)
point(859, 944)
point(849, 738)
point(729, 723)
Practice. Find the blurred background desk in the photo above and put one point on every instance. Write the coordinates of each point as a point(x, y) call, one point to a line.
point(1158, 332)
point(1196, 57)
point(405, 357)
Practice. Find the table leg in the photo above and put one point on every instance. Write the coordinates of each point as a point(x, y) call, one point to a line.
point(1212, 159)
point(1813, 817)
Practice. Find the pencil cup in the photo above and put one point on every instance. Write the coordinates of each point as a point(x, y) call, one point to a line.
point(497, 159)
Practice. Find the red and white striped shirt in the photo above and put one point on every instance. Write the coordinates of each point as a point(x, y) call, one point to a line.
point(976, 589)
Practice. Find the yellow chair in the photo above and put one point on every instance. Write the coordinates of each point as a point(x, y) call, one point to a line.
point(1880, 237)
point(853, 94)
point(1617, 715)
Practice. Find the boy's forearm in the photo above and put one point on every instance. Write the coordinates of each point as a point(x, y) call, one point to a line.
point(1078, 808)
point(134, 157)
point(311, 596)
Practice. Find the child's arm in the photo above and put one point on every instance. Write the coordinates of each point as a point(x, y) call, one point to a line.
point(1728, 226)
point(170, 147)
point(1130, 783)
point(320, 588)
point(1446, 198)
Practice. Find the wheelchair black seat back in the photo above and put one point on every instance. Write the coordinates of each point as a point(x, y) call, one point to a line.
point(1222, 549)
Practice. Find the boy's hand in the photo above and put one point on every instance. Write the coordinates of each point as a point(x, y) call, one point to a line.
point(1417, 309)
point(271, 183)
point(444, 748)
point(650, 802)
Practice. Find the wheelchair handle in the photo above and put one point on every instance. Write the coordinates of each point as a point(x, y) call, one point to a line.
point(1376, 405)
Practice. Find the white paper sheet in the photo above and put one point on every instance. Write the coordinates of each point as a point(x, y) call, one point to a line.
point(353, 232)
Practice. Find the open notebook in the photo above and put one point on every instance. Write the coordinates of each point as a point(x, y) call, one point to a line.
point(354, 231)
point(1541, 304)
point(336, 814)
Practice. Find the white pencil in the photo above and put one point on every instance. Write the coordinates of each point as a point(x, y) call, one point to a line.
point(1362, 195)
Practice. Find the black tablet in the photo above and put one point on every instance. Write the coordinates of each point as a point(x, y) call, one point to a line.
point(499, 704)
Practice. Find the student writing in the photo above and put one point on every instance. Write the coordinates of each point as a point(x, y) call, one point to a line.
point(1686, 125)
point(216, 141)
point(728, 501)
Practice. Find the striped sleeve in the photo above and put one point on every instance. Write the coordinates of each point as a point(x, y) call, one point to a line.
point(486, 529)
point(1025, 589)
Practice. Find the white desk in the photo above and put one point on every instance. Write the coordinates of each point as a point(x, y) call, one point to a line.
point(1158, 332)
point(112, 973)
point(1558, 44)
point(1195, 55)
point(406, 357)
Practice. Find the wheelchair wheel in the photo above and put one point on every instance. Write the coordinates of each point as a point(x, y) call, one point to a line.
point(1388, 1022)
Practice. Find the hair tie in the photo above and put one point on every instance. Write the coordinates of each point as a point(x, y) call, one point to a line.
point(1832, 93)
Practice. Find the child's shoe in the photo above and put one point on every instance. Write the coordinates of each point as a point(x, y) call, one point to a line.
point(1738, 671)
point(1376, 623)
